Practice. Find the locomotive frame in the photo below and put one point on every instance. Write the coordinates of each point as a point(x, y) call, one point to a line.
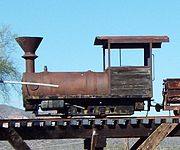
point(115, 91)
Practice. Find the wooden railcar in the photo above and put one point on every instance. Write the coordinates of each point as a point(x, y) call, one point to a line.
point(171, 95)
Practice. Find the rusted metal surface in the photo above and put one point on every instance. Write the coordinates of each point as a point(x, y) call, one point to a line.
point(124, 83)
point(130, 41)
point(172, 84)
point(171, 94)
point(29, 46)
point(70, 83)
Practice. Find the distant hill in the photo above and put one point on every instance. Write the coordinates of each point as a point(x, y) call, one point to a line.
point(13, 113)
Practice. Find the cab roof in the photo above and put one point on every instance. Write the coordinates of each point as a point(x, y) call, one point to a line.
point(118, 42)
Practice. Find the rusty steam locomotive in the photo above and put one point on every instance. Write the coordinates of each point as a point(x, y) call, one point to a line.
point(116, 90)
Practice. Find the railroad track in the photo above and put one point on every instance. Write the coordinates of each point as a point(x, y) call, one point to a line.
point(151, 129)
point(87, 121)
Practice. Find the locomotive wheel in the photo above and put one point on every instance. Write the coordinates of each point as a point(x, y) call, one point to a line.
point(176, 112)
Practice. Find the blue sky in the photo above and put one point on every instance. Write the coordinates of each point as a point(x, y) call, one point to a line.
point(70, 26)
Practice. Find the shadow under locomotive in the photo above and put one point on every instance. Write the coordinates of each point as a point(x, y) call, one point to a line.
point(116, 90)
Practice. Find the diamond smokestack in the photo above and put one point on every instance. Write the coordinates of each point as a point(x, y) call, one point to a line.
point(29, 46)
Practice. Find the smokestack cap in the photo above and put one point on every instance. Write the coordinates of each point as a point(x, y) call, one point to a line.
point(29, 44)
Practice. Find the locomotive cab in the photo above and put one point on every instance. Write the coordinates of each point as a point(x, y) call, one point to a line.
point(132, 84)
point(114, 91)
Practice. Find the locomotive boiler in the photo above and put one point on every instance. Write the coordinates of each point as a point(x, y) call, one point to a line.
point(117, 90)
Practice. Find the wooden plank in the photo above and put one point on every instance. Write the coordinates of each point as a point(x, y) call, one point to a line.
point(120, 92)
point(138, 143)
point(131, 86)
point(131, 69)
point(97, 142)
point(87, 144)
point(93, 139)
point(125, 73)
point(157, 136)
point(16, 140)
point(130, 74)
point(131, 81)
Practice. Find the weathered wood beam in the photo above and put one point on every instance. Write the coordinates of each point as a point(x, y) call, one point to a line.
point(15, 140)
point(138, 143)
point(98, 142)
point(110, 128)
point(87, 144)
point(157, 136)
